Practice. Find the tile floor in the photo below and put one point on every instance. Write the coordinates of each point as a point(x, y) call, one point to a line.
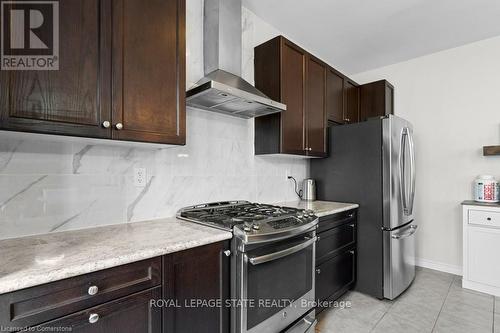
point(435, 302)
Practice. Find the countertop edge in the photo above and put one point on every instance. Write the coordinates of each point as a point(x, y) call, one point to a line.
point(98, 265)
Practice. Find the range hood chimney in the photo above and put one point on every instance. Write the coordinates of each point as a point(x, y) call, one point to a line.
point(222, 89)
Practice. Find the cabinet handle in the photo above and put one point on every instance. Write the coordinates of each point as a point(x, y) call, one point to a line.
point(227, 253)
point(489, 218)
point(351, 252)
point(106, 124)
point(318, 238)
point(93, 318)
point(119, 126)
point(318, 271)
point(351, 225)
point(93, 290)
point(310, 149)
point(347, 120)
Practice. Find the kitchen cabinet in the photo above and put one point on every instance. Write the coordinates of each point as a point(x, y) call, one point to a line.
point(376, 99)
point(335, 256)
point(200, 274)
point(481, 243)
point(74, 100)
point(131, 314)
point(316, 120)
point(118, 299)
point(335, 96)
point(149, 71)
point(288, 74)
point(118, 77)
point(351, 102)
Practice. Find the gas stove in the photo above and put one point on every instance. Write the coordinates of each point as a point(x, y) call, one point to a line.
point(251, 222)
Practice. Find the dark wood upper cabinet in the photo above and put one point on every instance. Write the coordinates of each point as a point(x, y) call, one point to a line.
point(376, 99)
point(149, 70)
point(293, 95)
point(288, 74)
point(74, 100)
point(335, 96)
point(121, 75)
point(351, 102)
point(316, 107)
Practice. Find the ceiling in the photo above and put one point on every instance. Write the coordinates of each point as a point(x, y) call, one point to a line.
point(358, 35)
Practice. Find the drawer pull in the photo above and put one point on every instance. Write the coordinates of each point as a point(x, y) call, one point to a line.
point(318, 238)
point(351, 225)
point(318, 271)
point(227, 253)
point(489, 218)
point(93, 290)
point(351, 215)
point(93, 318)
point(351, 252)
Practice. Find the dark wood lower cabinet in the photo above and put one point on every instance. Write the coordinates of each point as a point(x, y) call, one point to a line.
point(198, 275)
point(335, 257)
point(132, 314)
point(118, 299)
point(335, 275)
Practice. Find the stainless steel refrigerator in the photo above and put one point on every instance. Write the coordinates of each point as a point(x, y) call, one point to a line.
point(372, 163)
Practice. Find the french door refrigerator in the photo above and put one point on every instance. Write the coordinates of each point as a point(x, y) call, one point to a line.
point(372, 163)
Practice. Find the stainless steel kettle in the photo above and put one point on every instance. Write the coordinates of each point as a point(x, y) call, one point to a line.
point(309, 189)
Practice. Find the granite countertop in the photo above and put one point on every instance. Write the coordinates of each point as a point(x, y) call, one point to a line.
point(35, 260)
point(477, 203)
point(320, 208)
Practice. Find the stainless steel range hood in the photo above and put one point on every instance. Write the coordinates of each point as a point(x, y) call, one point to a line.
point(222, 89)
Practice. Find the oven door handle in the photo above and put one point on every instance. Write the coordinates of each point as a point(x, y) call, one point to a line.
point(282, 253)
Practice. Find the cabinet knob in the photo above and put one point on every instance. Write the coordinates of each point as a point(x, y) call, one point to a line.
point(227, 253)
point(93, 318)
point(93, 290)
point(318, 238)
point(106, 124)
point(489, 219)
point(347, 120)
point(119, 126)
point(351, 252)
point(318, 271)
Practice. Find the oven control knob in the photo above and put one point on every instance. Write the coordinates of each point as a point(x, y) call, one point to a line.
point(247, 228)
point(256, 227)
point(300, 216)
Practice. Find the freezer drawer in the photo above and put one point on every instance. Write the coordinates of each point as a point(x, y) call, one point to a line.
point(399, 259)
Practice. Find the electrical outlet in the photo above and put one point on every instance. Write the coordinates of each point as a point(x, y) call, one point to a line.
point(140, 177)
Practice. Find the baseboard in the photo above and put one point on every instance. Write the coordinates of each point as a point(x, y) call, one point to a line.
point(439, 266)
point(481, 288)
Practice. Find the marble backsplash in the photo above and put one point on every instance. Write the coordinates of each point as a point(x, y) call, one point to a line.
point(55, 185)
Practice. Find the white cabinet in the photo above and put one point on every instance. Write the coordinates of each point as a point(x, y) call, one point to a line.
point(481, 246)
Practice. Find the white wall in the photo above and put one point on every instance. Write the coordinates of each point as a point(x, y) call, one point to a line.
point(53, 186)
point(453, 100)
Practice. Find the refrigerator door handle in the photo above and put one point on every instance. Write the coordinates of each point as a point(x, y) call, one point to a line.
point(402, 169)
point(411, 147)
point(413, 229)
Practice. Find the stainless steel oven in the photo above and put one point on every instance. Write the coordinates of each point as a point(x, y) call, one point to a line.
point(274, 283)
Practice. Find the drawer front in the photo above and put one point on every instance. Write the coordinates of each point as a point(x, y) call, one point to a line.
point(484, 217)
point(39, 304)
point(334, 220)
point(335, 274)
point(131, 314)
point(332, 241)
